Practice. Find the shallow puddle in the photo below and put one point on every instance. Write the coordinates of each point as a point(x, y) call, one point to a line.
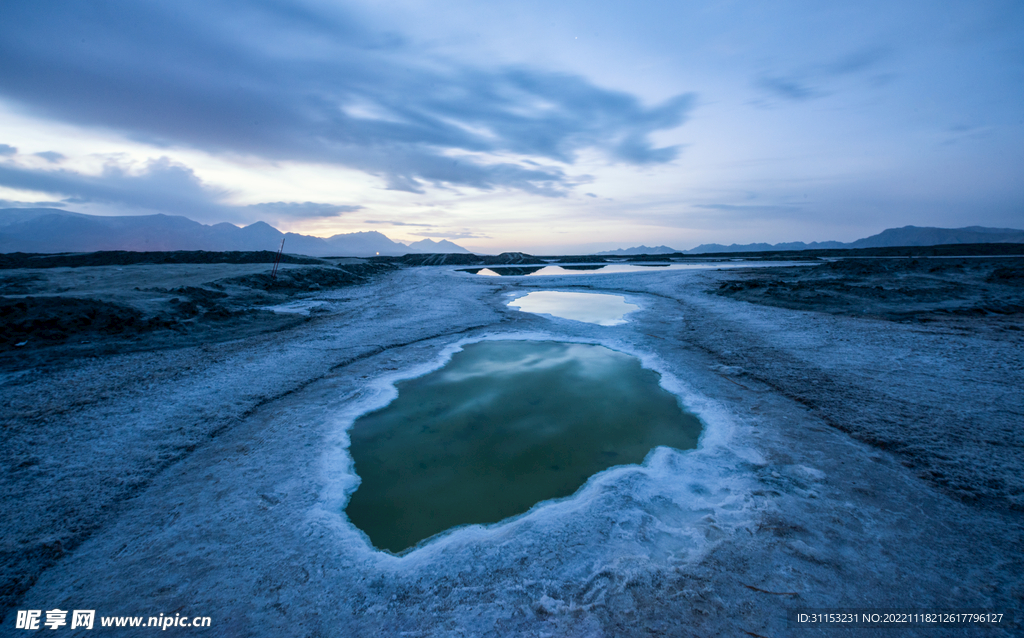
point(514, 271)
point(599, 269)
point(501, 427)
point(604, 310)
point(305, 306)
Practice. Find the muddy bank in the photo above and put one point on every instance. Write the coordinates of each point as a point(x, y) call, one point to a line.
point(892, 289)
point(455, 259)
point(307, 279)
point(54, 312)
point(129, 258)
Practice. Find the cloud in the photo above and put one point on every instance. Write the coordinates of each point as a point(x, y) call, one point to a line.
point(161, 186)
point(7, 149)
point(52, 157)
point(718, 214)
point(308, 83)
point(788, 88)
point(452, 235)
point(394, 223)
point(590, 195)
point(302, 209)
point(856, 62)
point(811, 82)
point(404, 171)
point(764, 208)
point(10, 203)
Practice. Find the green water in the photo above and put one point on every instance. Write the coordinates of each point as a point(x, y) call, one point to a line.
point(501, 427)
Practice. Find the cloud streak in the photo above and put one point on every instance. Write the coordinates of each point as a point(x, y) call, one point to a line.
point(160, 186)
point(452, 235)
point(754, 208)
point(308, 83)
point(396, 223)
point(302, 210)
point(811, 82)
point(52, 157)
point(13, 203)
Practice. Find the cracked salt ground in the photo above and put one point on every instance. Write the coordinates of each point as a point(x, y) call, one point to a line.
point(240, 471)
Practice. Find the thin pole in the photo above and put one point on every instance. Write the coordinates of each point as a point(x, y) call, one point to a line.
point(277, 260)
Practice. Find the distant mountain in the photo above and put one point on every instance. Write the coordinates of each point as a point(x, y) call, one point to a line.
point(917, 236)
point(906, 236)
point(431, 246)
point(753, 248)
point(641, 250)
point(51, 230)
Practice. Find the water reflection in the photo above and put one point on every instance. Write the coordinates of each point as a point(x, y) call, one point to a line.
point(503, 426)
point(505, 271)
point(590, 269)
point(514, 271)
point(604, 310)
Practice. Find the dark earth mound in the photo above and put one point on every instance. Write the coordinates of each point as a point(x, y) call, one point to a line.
point(456, 259)
point(583, 259)
point(57, 318)
point(310, 279)
point(649, 258)
point(59, 322)
point(894, 289)
point(40, 321)
point(943, 250)
point(128, 258)
point(22, 284)
point(509, 270)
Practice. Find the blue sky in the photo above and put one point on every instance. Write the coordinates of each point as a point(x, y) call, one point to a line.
point(537, 126)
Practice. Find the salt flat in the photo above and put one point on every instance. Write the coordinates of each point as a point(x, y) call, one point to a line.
point(846, 462)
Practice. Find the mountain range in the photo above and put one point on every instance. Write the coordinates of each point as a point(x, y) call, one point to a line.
point(641, 250)
point(906, 236)
point(51, 230)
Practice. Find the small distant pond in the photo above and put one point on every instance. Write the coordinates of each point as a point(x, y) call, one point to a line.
point(306, 306)
point(592, 269)
point(604, 310)
point(501, 427)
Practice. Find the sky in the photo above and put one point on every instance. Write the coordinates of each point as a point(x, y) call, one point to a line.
point(547, 127)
